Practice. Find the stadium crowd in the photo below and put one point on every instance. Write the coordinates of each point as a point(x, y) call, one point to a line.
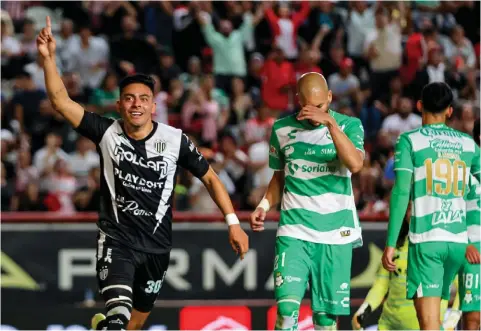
point(225, 71)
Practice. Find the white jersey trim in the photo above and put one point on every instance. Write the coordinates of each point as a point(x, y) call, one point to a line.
point(341, 236)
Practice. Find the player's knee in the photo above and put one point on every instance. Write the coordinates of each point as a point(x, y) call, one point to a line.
point(287, 314)
point(324, 321)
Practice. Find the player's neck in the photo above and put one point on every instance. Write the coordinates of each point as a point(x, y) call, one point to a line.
point(138, 133)
point(430, 119)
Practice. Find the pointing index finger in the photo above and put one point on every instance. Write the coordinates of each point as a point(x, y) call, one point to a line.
point(49, 25)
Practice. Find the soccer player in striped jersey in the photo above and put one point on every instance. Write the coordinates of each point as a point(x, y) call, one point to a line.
point(313, 153)
point(389, 289)
point(433, 166)
point(469, 276)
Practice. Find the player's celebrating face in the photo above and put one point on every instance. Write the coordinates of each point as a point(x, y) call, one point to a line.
point(136, 103)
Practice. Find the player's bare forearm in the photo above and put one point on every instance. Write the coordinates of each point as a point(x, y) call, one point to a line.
point(274, 190)
point(349, 155)
point(217, 191)
point(58, 96)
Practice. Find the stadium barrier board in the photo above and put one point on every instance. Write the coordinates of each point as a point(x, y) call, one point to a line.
point(50, 267)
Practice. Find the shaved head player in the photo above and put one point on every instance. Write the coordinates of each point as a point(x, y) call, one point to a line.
point(140, 159)
point(313, 153)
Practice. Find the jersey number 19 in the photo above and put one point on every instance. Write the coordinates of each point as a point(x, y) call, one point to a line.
point(447, 171)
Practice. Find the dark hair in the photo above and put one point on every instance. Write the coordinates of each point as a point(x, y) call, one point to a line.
point(476, 131)
point(23, 74)
point(137, 79)
point(436, 97)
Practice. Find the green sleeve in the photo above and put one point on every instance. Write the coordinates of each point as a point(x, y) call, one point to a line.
point(475, 165)
point(276, 158)
point(403, 165)
point(355, 133)
point(403, 155)
point(212, 37)
point(246, 28)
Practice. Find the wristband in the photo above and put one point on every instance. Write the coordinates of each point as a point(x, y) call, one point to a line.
point(231, 219)
point(264, 204)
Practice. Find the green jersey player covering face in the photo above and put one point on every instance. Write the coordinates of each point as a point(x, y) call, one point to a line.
point(433, 165)
point(313, 154)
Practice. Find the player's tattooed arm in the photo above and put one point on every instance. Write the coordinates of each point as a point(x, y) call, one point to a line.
point(57, 93)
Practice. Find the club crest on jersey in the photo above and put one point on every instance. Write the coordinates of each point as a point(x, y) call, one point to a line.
point(103, 273)
point(345, 233)
point(160, 146)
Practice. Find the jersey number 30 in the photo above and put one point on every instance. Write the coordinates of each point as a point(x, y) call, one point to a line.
point(447, 172)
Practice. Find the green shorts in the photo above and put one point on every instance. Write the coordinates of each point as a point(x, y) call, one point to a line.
point(432, 267)
point(469, 290)
point(327, 268)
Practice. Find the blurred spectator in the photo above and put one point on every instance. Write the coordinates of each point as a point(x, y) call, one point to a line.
point(307, 62)
point(60, 186)
point(83, 160)
point(167, 69)
point(241, 103)
point(228, 47)
point(28, 39)
point(31, 199)
point(191, 78)
point(87, 198)
point(11, 49)
point(158, 21)
point(459, 50)
point(360, 22)
point(285, 24)
point(200, 115)
point(8, 190)
point(160, 98)
point(403, 120)
point(104, 98)
point(383, 50)
point(46, 157)
point(257, 128)
point(258, 154)
point(90, 58)
point(234, 161)
point(344, 85)
point(130, 52)
point(66, 41)
point(416, 51)
point(25, 171)
point(26, 101)
point(278, 81)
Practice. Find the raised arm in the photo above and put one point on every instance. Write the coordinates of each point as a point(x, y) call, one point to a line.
point(57, 93)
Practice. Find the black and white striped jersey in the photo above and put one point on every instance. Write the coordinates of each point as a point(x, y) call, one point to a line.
point(138, 179)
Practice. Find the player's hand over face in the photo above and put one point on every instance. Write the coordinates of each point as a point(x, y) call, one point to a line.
point(472, 255)
point(315, 115)
point(387, 259)
point(45, 41)
point(238, 240)
point(257, 219)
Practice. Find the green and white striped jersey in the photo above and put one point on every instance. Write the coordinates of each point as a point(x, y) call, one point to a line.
point(318, 202)
point(441, 160)
point(473, 212)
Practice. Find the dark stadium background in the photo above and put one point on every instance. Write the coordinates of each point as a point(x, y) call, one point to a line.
point(50, 175)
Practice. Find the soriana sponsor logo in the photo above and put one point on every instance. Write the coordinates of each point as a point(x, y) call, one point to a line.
point(215, 318)
point(305, 318)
